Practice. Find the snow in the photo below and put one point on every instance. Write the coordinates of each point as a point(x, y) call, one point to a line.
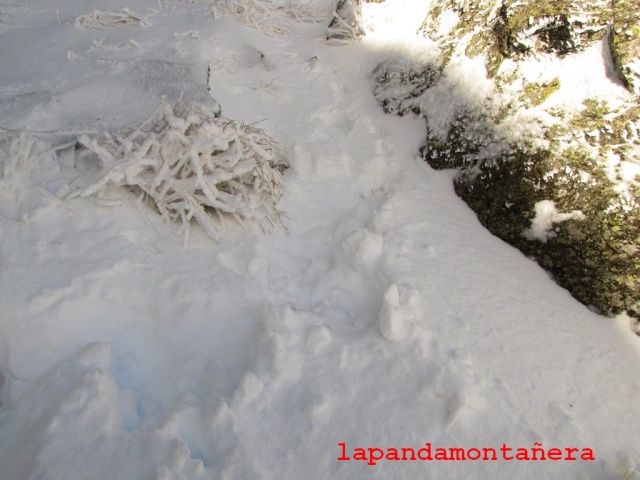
point(587, 74)
point(546, 216)
point(380, 314)
point(391, 322)
point(394, 20)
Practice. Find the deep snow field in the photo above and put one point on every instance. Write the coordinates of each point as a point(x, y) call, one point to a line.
point(379, 314)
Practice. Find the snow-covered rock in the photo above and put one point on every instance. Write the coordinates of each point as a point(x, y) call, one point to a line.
point(529, 109)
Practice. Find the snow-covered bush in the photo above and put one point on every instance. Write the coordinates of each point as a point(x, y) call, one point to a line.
point(191, 164)
point(267, 16)
point(99, 19)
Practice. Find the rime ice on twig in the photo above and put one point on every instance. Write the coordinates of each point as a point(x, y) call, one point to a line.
point(347, 21)
point(99, 19)
point(192, 164)
point(267, 16)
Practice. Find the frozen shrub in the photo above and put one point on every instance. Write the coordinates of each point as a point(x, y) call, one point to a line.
point(99, 19)
point(347, 20)
point(267, 16)
point(189, 163)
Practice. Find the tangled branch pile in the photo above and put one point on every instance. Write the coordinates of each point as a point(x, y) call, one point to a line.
point(99, 19)
point(267, 16)
point(191, 164)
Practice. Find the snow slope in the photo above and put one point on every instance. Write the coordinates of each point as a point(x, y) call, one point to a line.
point(380, 314)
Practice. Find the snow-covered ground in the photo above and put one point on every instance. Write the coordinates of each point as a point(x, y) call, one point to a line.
point(380, 315)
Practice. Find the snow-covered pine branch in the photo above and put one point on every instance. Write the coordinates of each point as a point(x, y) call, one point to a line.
point(191, 164)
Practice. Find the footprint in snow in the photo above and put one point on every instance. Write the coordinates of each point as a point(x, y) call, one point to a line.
point(333, 118)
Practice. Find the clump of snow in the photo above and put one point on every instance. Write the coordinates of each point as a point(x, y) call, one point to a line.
point(99, 19)
point(319, 338)
point(361, 249)
point(546, 216)
point(625, 176)
point(629, 171)
point(193, 164)
point(392, 325)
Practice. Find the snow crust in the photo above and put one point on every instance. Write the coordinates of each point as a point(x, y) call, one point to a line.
point(380, 315)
